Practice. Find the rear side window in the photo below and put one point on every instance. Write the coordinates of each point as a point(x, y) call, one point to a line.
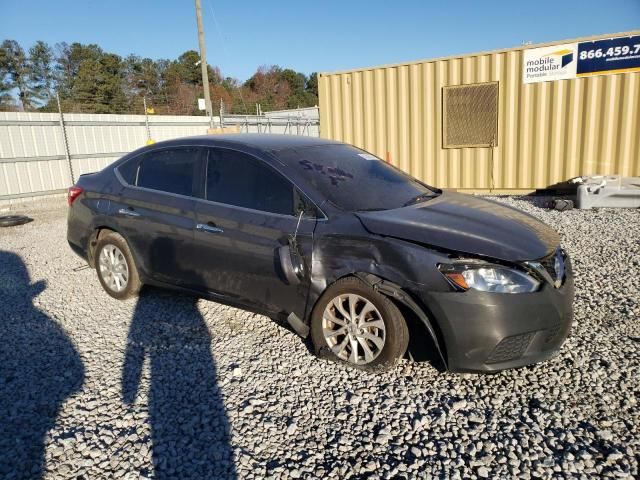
point(235, 178)
point(129, 171)
point(170, 170)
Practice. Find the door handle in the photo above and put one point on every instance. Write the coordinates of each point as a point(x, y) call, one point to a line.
point(129, 212)
point(204, 227)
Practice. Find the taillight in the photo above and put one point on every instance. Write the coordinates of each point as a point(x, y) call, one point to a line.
point(73, 193)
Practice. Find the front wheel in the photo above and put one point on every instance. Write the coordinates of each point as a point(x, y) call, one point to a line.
point(355, 324)
point(115, 267)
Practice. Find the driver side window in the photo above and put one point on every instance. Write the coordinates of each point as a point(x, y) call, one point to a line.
point(238, 179)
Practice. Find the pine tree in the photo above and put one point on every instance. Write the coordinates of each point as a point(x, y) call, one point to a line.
point(40, 74)
point(14, 63)
point(6, 99)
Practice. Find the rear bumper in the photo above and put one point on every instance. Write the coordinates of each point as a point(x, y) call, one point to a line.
point(81, 252)
point(488, 332)
point(77, 231)
point(82, 220)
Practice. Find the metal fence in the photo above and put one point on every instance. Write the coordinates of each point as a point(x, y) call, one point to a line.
point(44, 153)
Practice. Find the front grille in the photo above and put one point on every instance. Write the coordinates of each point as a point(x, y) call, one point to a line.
point(511, 348)
point(549, 265)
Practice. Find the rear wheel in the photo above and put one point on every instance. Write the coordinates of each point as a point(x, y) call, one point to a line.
point(115, 267)
point(355, 324)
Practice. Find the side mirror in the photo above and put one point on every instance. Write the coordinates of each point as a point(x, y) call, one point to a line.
point(291, 263)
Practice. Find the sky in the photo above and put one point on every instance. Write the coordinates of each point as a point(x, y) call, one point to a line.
point(320, 35)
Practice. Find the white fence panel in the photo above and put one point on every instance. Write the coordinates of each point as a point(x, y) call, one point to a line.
point(34, 160)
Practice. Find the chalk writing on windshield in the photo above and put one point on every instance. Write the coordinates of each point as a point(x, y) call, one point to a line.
point(335, 174)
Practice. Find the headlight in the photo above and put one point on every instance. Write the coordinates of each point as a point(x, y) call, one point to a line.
point(489, 278)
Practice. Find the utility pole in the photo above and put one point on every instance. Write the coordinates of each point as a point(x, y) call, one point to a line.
point(203, 63)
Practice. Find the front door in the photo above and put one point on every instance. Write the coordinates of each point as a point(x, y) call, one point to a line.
point(247, 214)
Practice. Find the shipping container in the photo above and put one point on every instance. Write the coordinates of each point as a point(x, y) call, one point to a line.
point(471, 123)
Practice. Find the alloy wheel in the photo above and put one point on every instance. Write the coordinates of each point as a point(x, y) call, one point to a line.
point(113, 268)
point(353, 329)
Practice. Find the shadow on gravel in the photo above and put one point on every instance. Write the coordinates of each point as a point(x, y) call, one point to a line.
point(39, 369)
point(190, 430)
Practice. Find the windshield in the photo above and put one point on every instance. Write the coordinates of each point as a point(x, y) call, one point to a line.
point(355, 180)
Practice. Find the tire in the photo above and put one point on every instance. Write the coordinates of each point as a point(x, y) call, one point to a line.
point(13, 220)
point(119, 282)
point(391, 343)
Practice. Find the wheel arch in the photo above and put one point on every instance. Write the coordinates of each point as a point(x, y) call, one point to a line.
point(401, 298)
point(101, 236)
point(399, 295)
point(97, 233)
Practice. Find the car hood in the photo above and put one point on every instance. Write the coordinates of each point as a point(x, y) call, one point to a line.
point(467, 224)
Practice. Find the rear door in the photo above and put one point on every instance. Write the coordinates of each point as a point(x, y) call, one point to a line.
point(156, 211)
point(248, 212)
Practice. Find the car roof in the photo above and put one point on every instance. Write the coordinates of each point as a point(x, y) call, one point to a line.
point(260, 141)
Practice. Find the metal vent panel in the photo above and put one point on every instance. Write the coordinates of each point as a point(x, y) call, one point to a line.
point(470, 115)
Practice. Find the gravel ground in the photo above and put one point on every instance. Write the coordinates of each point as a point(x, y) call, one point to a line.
point(170, 386)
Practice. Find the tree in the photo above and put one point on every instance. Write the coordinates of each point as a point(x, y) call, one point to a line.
point(311, 88)
point(98, 86)
point(141, 75)
point(221, 94)
point(69, 61)
point(40, 74)
point(234, 100)
point(111, 89)
point(91, 80)
point(29, 75)
point(142, 78)
point(276, 88)
point(14, 64)
point(296, 82)
point(6, 99)
point(187, 68)
point(268, 87)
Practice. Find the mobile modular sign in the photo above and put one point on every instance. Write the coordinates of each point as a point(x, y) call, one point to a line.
point(573, 60)
point(550, 63)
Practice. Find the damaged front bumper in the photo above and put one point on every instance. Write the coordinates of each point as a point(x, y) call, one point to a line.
point(488, 332)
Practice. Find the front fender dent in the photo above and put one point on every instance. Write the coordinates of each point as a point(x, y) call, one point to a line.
point(394, 291)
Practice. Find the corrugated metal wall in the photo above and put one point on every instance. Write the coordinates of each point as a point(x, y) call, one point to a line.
point(32, 152)
point(547, 132)
point(33, 157)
